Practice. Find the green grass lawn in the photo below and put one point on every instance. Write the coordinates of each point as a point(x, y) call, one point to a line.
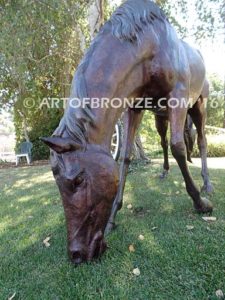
point(175, 263)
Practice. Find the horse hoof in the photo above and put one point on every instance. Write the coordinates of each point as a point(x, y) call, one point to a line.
point(208, 188)
point(190, 160)
point(204, 207)
point(163, 175)
point(110, 227)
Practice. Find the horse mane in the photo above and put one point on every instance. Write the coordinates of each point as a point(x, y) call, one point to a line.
point(131, 18)
point(127, 23)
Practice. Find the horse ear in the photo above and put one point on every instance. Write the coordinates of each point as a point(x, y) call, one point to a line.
point(61, 145)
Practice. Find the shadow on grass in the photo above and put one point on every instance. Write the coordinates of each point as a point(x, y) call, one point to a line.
point(175, 263)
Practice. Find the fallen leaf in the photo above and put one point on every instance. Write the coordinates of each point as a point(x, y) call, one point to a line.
point(209, 219)
point(129, 206)
point(131, 248)
point(11, 297)
point(154, 228)
point(46, 241)
point(219, 294)
point(141, 237)
point(190, 227)
point(200, 248)
point(136, 272)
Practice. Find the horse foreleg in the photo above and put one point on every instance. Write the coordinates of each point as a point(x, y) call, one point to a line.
point(198, 114)
point(177, 116)
point(132, 120)
point(161, 124)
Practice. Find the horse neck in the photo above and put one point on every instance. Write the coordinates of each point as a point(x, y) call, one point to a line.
point(104, 123)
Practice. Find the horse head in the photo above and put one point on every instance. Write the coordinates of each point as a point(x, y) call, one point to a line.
point(87, 179)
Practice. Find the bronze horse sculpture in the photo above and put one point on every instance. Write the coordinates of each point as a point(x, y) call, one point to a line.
point(136, 54)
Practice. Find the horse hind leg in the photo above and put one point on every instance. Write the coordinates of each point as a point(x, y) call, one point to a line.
point(161, 123)
point(177, 117)
point(198, 114)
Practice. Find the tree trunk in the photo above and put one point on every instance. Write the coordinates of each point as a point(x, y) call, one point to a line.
point(138, 150)
point(25, 130)
point(21, 113)
point(96, 17)
point(224, 103)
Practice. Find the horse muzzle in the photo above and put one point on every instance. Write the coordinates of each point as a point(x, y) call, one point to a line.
point(79, 254)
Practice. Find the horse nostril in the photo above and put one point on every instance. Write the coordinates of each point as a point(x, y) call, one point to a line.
point(76, 257)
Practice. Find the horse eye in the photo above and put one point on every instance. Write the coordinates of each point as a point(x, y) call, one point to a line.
point(79, 180)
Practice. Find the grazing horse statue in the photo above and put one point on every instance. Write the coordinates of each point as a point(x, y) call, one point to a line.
point(136, 54)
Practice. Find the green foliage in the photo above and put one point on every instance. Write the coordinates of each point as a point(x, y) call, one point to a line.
point(216, 105)
point(45, 41)
point(148, 130)
point(208, 22)
point(216, 144)
point(40, 151)
point(211, 16)
point(214, 150)
point(39, 61)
